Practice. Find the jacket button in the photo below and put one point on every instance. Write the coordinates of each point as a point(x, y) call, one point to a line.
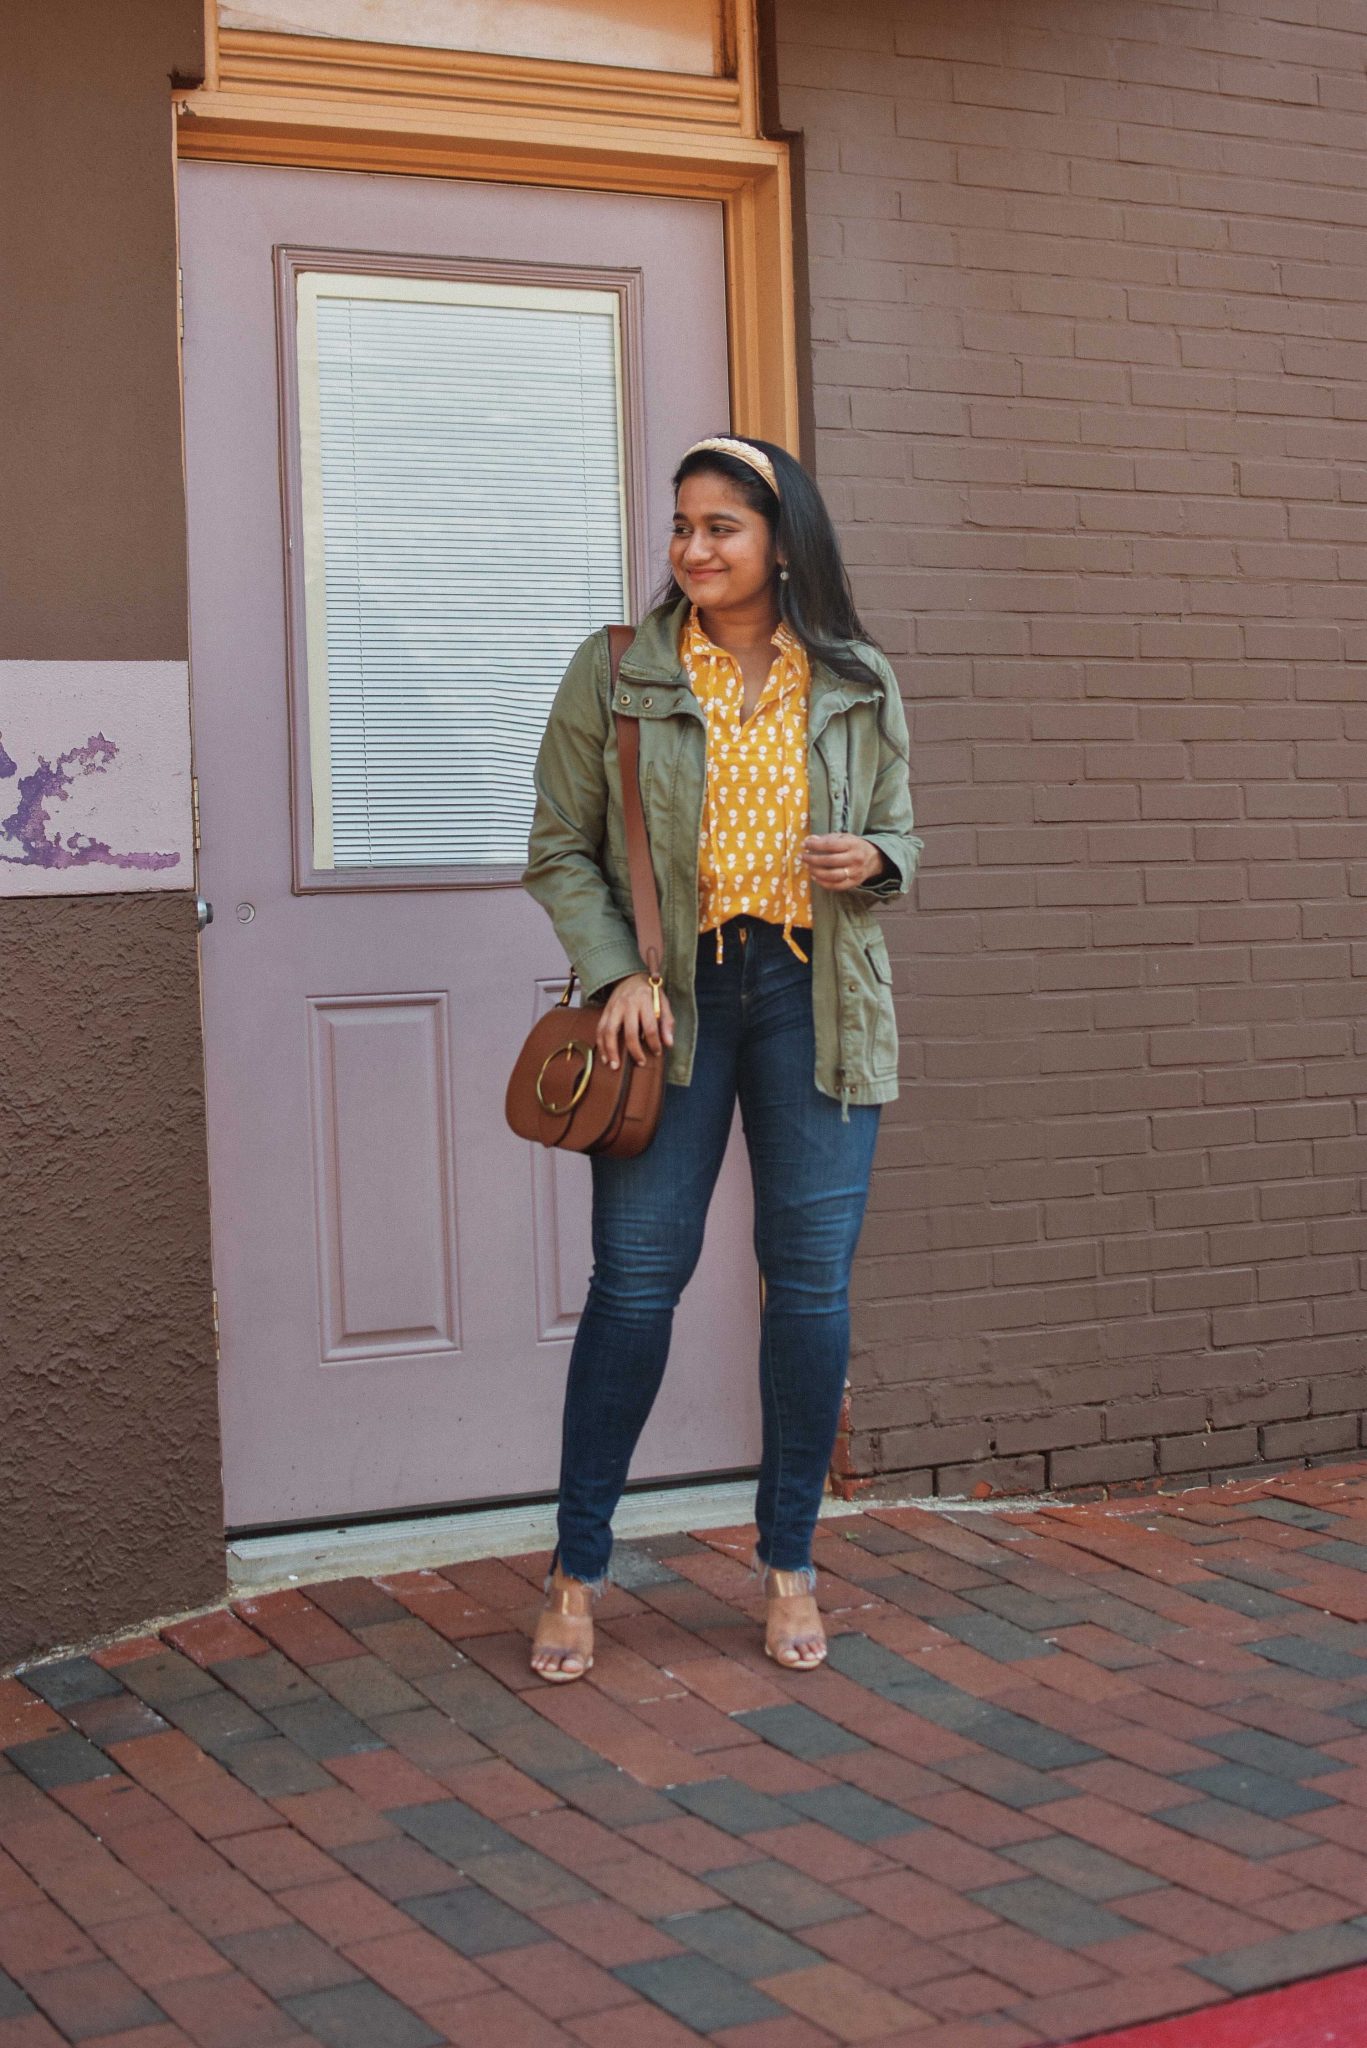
point(624, 698)
point(853, 987)
point(646, 703)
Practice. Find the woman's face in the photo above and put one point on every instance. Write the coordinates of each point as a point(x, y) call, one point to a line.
point(722, 552)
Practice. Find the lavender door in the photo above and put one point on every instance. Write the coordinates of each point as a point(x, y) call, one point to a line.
point(429, 429)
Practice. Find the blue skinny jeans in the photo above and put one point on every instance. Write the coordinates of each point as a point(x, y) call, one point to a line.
point(810, 1170)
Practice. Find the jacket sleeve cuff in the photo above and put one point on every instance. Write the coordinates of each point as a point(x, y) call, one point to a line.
point(606, 964)
point(893, 880)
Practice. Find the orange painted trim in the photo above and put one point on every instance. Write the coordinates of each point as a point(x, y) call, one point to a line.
point(210, 43)
point(327, 67)
point(423, 113)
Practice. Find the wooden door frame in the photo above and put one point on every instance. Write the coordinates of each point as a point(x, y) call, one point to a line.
point(328, 104)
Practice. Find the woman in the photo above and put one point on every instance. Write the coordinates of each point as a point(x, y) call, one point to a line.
point(773, 766)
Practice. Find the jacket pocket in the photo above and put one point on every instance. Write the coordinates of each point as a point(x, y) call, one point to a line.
point(883, 1034)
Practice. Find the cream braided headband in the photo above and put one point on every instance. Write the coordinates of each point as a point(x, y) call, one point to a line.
point(743, 452)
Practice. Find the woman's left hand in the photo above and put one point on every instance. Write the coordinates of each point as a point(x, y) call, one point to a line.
point(842, 860)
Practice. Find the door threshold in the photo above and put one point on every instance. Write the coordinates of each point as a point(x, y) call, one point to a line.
point(296, 1557)
point(366, 1549)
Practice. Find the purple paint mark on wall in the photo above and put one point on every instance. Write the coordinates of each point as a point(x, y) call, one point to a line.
point(30, 828)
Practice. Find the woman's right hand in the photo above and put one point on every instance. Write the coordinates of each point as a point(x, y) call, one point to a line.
point(629, 1022)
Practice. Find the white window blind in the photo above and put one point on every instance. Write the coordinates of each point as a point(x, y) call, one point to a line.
point(461, 455)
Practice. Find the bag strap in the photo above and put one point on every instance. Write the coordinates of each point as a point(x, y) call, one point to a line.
point(645, 900)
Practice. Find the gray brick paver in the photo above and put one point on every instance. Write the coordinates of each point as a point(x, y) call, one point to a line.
point(218, 1721)
point(633, 1567)
point(66, 1681)
point(783, 1896)
point(996, 1637)
point(1027, 1742)
point(529, 1882)
point(801, 1732)
point(87, 2000)
point(850, 1812)
point(1053, 1912)
point(1275, 1797)
point(285, 1962)
point(1091, 1872)
point(1269, 1577)
point(368, 1687)
point(675, 1544)
point(117, 1717)
point(868, 1663)
point(360, 2016)
point(741, 1943)
point(54, 1760)
point(1235, 1828)
point(610, 1795)
point(454, 1831)
point(1286, 1957)
point(1272, 1753)
point(14, 2001)
point(699, 1993)
point(322, 1728)
point(1010, 1784)
point(267, 1681)
point(1246, 1599)
point(1123, 1618)
point(735, 1808)
point(1315, 1659)
point(1291, 1511)
point(1338, 1550)
point(165, 1678)
point(275, 1769)
point(879, 1539)
point(472, 1922)
point(1032, 1611)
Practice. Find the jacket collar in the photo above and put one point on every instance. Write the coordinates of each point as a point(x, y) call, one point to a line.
point(653, 657)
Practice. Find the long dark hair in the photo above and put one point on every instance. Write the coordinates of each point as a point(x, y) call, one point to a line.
point(815, 600)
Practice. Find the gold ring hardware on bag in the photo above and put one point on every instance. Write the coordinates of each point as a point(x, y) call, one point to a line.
point(581, 1085)
point(656, 985)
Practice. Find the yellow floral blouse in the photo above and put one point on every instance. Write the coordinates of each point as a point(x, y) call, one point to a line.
point(755, 812)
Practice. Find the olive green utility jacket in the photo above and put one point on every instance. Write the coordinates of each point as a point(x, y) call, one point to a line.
point(577, 856)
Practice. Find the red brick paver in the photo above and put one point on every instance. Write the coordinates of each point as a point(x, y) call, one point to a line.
point(1070, 1768)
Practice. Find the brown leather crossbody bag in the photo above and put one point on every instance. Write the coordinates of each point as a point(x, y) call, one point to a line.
point(561, 1092)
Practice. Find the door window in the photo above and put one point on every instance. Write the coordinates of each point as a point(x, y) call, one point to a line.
point(462, 522)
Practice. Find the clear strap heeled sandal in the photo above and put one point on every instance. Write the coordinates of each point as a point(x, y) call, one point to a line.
point(568, 1616)
point(793, 1633)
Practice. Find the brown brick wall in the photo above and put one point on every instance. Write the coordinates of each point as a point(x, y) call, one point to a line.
point(1090, 389)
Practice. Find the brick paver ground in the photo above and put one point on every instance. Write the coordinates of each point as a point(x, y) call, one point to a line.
point(1069, 1769)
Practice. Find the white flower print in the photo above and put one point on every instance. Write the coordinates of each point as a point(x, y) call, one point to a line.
point(755, 810)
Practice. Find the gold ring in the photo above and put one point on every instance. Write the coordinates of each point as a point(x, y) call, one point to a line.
point(581, 1085)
